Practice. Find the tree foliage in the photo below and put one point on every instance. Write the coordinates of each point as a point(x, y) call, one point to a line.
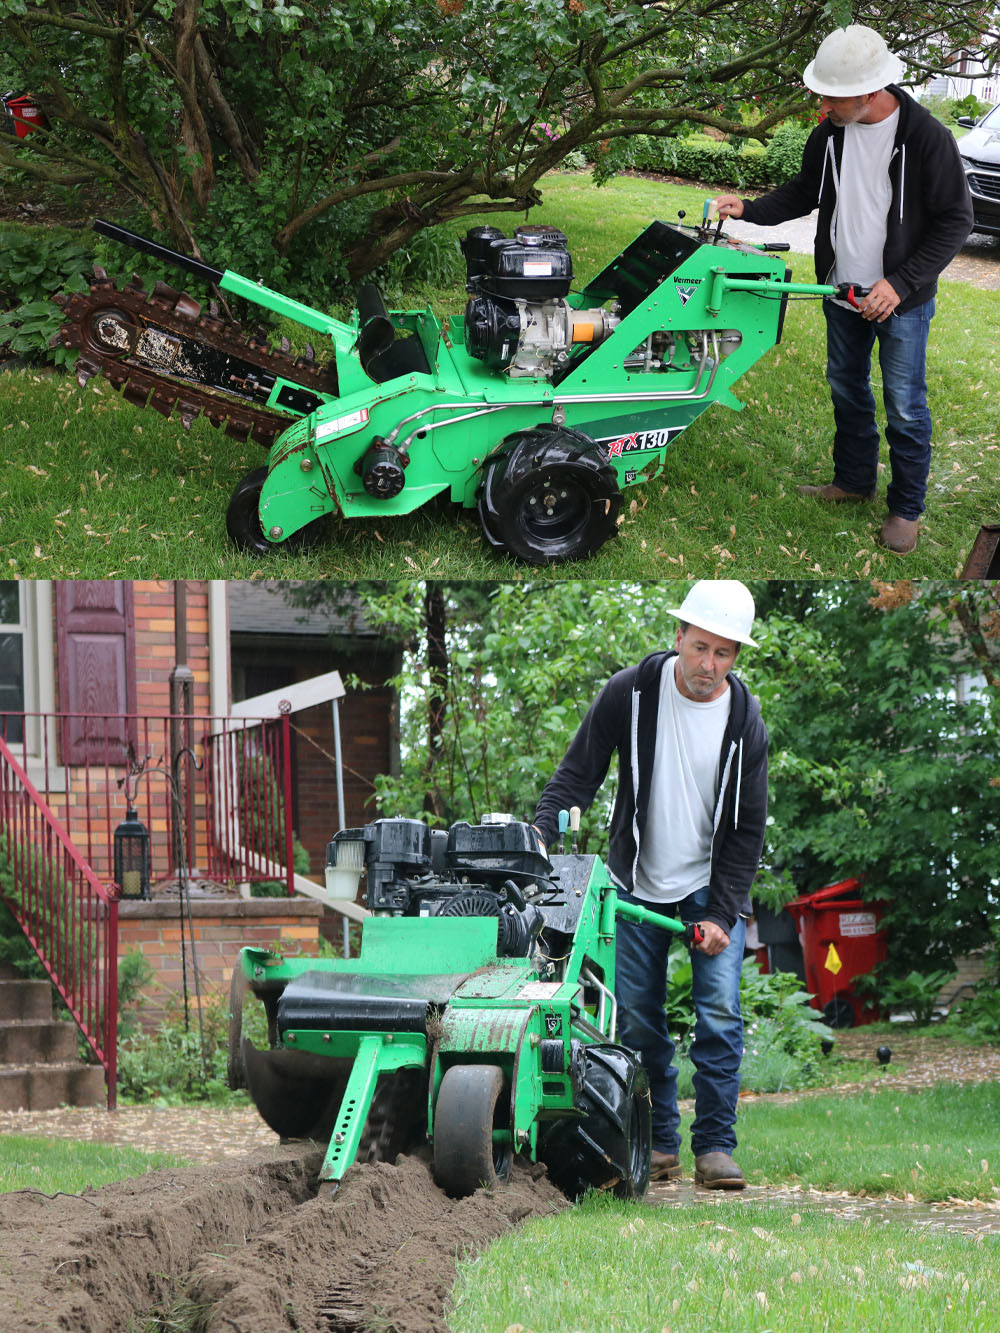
point(882, 703)
point(313, 140)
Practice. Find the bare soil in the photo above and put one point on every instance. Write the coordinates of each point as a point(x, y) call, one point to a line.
point(250, 1246)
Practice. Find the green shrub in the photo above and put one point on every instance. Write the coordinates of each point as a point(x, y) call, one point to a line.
point(781, 1031)
point(978, 1017)
point(432, 258)
point(134, 973)
point(14, 947)
point(783, 155)
point(716, 164)
point(915, 993)
point(738, 167)
point(35, 264)
point(170, 1066)
point(948, 109)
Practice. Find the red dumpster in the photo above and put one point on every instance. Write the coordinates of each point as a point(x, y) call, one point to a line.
point(841, 940)
point(25, 112)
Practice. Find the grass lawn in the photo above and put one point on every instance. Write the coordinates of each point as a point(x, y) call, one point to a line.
point(56, 1166)
point(93, 487)
point(608, 1266)
point(739, 1262)
point(935, 1145)
point(742, 1263)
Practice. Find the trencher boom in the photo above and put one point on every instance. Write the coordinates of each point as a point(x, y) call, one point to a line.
point(536, 407)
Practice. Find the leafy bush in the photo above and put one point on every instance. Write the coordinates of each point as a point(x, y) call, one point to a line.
point(739, 167)
point(978, 1017)
point(431, 258)
point(168, 1066)
point(915, 993)
point(35, 264)
point(781, 1032)
point(715, 163)
point(134, 974)
point(948, 109)
point(14, 948)
point(783, 155)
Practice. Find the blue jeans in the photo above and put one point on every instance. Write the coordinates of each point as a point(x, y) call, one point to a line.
point(902, 354)
point(717, 1048)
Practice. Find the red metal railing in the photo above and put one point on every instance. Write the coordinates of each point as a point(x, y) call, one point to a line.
point(69, 917)
point(215, 794)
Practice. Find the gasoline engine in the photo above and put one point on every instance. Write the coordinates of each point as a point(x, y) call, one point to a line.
point(489, 869)
point(518, 319)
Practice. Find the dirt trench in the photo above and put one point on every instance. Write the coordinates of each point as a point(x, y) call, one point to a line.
point(251, 1247)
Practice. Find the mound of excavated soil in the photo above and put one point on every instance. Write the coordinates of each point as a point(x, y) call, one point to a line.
point(252, 1247)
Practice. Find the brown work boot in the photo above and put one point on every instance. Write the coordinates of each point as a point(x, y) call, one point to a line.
point(664, 1166)
point(900, 535)
point(718, 1171)
point(834, 494)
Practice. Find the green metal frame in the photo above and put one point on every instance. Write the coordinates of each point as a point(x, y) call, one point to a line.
point(499, 1015)
point(725, 301)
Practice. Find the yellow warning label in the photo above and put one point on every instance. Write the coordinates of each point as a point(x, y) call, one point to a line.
point(833, 963)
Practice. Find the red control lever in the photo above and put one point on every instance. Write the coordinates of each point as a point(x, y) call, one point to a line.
point(849, 291)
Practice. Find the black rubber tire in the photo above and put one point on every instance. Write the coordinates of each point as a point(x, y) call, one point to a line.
point(550, 495)
point(607, 1145)
point(472, 1102)
point(838, 1012)
point(243, 520)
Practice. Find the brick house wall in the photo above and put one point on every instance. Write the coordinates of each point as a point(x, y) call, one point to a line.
point(220, 928)
point(115, 652)
point(93, 803)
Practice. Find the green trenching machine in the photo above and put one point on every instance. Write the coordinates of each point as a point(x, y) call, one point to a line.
point(479, 1014)
point(537, 406)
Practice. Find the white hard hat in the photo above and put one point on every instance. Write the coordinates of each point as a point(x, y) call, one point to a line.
point(722, 606)
point(852, 61)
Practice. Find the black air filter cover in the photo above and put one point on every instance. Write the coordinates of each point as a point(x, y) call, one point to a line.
point(490, 852)
point(476, 246)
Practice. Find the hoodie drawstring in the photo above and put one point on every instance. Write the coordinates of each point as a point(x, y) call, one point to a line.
point(739, 781)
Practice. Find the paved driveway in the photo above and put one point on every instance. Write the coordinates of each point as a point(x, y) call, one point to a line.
point(978, 262)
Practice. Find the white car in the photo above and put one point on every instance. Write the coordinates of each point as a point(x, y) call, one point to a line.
point(980, 151)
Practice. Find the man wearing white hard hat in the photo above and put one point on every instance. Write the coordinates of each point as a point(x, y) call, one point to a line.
point(685, 840)
point(894, 210)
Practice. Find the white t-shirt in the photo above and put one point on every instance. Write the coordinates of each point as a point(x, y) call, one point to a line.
point(676, 853)
point(864, 194)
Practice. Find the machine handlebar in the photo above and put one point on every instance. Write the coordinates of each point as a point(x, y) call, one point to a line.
point(691, 933)
point(847, 291)
point(162, 252)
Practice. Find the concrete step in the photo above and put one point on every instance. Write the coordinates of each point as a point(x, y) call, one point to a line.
point(25, 999)
point(47, 1087)
point(37, 1041)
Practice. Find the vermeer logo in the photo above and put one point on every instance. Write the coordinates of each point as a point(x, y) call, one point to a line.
point(686, 290)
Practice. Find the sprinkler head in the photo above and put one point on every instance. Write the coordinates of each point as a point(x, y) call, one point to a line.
point(826, 1045)
point(883, 1055)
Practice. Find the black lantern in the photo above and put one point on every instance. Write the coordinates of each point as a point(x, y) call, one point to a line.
point(132, 856)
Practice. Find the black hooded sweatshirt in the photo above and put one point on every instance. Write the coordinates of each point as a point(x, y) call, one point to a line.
point(623, 718)
point(930, 215)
